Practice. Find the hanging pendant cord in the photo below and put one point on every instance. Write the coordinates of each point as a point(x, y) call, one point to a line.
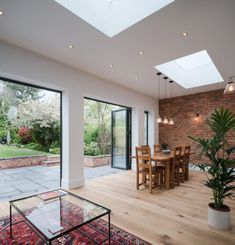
point(159, 74)
point(171, 89)
point(159, 87)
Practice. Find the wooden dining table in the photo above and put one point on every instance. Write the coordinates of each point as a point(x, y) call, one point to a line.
point(166, 160)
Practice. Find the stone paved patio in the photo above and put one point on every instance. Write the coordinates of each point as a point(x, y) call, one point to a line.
point(24, 181)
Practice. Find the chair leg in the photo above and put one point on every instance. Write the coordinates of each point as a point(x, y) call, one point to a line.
point(155, 179)
point(159, 179)
point(150, 184)
point(144, 178)
point(182, 174)
point(186, 172)
point(162, 179)
point(137, 180)
point(177, 177)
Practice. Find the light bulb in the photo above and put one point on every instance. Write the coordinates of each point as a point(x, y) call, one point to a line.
point(171, 122)
point(159, 120)
point(230, 88)
point(165, 121)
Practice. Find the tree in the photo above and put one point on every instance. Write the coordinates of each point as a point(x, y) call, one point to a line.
point(97, 115)
point(42, 118)
point(22, 93)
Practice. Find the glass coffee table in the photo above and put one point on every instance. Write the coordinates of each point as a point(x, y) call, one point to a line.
point(56, 213)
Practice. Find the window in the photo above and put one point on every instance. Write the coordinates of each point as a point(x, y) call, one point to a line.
point(146, 127)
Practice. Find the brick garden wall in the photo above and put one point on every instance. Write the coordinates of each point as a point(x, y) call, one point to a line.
point(21, 161)
point(95, 161)
point(184, 109)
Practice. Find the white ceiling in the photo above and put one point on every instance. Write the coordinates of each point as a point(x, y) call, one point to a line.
point(45, 27)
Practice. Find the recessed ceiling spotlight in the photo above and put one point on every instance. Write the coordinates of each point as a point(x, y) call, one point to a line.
point(1, 13)
point(111, 65)
point(141, 52)
point(70, 46)
point(185, 34)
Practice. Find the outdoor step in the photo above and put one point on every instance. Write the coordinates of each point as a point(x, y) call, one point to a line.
point(53, 158)
point(50, 162)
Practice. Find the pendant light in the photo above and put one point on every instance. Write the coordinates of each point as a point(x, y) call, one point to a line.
point(165, 120)
point(230, 87)
point(159, 119)
point(171, 122)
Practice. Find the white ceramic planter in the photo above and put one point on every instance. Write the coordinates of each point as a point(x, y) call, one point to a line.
point(219, 219)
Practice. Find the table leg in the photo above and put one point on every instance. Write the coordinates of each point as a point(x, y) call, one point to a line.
point(186, 172)
point(10, 221)
point(109, 230)
point(167, 175)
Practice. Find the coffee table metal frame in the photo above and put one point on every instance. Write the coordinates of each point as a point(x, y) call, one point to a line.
point(43, 236)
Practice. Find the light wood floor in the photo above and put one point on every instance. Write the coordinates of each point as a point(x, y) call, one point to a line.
point(177, 216)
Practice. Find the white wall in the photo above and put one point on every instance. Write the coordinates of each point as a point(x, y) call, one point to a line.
point(25, 66)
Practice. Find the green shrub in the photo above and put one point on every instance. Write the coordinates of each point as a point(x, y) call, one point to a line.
point(55, 150)
point(33, 146)
point(55, 144)
point(15, 138)
point(3, 134)
point(46, 136)
point(92, 149)
point(90, 134)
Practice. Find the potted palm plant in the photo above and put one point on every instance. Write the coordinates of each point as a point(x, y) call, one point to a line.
point(219, 166)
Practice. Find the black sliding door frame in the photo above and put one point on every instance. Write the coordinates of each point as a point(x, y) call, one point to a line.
point(128, 138)
point(146, 116)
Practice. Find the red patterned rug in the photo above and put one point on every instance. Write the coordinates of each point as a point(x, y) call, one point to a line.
point(23, 234)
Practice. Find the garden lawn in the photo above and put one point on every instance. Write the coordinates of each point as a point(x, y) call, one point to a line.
point(13, 151)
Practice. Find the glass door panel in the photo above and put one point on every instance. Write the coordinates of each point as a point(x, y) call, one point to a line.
point(121, 138)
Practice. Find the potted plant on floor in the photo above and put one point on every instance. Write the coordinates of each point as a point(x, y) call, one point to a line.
point(219, 166)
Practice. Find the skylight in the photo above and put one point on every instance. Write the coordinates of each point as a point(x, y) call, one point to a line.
point(113, 16)
point(192, 70)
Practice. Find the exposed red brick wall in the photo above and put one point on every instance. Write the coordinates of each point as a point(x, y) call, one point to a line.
point(184, 110)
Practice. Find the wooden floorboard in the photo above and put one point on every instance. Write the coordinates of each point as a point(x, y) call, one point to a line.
point(166, 217)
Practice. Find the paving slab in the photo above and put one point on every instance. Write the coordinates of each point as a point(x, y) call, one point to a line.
point(6, 190)
point(10, 195)
point(28, 188)
point(25, 181)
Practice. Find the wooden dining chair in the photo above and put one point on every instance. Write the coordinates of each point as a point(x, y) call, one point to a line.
point(183, 166)
point(145, 168)
point(159, 165)
point(177, 161)
point(186, 156)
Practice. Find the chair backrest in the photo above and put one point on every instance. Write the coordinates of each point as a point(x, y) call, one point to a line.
point(144, 146)
point(157, 148)
point(186, 153)
point(143, 157)
point(187, 150)
point(178, 153)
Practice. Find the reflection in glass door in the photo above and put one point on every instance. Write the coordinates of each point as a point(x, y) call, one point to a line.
point(121, 138)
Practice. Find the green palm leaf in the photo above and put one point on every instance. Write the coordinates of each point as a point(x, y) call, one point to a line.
point(220, 172)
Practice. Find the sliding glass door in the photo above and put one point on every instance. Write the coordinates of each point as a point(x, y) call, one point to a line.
point(121, 138)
